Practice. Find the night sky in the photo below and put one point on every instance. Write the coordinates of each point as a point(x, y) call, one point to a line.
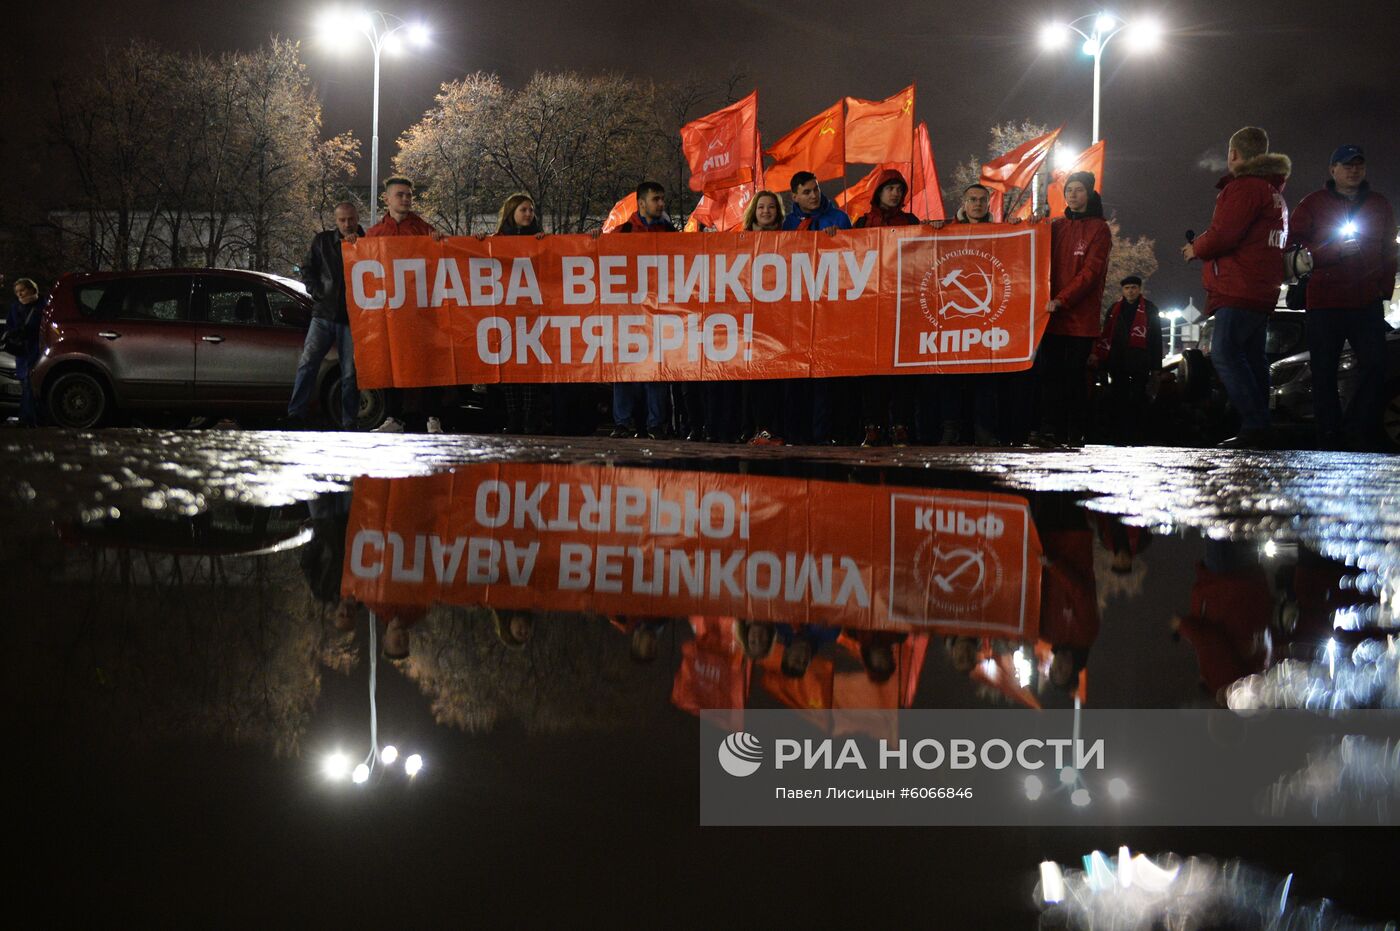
point(1314, 75)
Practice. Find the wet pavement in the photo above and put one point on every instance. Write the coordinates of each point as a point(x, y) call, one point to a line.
point(190, 647)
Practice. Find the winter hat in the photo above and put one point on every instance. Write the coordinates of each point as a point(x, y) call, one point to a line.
point(1084, 177)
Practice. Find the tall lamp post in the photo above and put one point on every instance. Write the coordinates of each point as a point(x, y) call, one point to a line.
point(1173, 316)
point(385, 33)
point(1097, 29)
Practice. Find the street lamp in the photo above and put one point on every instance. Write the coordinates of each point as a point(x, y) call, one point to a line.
point(1173, 316)
point(1096, 29)
point(385, 32)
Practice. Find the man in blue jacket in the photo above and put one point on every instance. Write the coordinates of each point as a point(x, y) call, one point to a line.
point(812, 211)
point(810, 208)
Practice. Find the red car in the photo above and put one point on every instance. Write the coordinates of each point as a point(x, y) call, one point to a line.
point(180, 342)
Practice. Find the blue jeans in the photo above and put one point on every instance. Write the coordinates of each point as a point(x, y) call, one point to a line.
point(1237, 353)
point(320, 337)
point(626, 396)
point(1364, 328)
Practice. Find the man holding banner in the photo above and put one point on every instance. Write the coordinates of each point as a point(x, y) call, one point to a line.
point(650, 217)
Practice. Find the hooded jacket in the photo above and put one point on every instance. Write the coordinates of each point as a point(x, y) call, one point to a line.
point(879, 216)
point(1079, 247)
point(1243, 248)
point(826, 215)
point(637, 224)
point(962, 217)
point(323, 273)
point(1338, 279)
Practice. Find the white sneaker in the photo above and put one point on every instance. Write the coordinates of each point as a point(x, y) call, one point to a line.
point(434, 425)
point(390, 425)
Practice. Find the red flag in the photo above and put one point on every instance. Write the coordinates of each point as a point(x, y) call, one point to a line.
point(723, 209)
point(818, 146)
point(621, 212)
point(925, 196)
point(722, 147)
point(1091, 159)
point(1015, 168)
point(855, 200)
point(880, 130)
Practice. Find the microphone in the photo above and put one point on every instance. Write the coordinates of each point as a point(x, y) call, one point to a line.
point(1190, 235)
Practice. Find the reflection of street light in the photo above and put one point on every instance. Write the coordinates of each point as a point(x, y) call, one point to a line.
point(339, 28)
point(1096, 29)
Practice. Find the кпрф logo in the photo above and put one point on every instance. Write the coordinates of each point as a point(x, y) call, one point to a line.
point(740, 754)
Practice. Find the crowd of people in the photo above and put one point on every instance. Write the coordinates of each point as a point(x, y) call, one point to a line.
point(1346, 229)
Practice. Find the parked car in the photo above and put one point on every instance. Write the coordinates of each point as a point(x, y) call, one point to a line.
point(9, 386)
point(177, 343)
point(1291, 389)
point(1202, 394)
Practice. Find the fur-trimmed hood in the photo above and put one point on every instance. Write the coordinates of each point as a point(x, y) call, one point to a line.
point(1268, 165)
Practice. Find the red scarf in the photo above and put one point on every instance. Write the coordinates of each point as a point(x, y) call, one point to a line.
point(806, 224)
point(1137, 335)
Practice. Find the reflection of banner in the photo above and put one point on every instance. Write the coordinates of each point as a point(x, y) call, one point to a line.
point(649, 307)
point(644, 542)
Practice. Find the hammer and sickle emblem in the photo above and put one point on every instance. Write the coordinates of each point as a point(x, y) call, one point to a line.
point(908, 104)
point(980, 303)
point(958, 561)
point(827, 128)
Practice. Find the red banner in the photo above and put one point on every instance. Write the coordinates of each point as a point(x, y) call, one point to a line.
point(656, 543)
point(1091, 159)
point(656, 307)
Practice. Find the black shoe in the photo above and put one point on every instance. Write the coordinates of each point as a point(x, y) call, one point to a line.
point(696, 436)
point(1043, 440)
point(623, 431)
point(294, 423)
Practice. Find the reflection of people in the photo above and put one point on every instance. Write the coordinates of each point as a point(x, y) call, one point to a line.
point(1122, 541)
point(1069, 606)
point(643, 635)
point(755, 638)
point(801, 643)
point(877, 651)
point(513, 628)
point(1231, 605)
point(323, 557)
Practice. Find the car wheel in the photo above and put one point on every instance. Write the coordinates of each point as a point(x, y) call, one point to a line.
point(1390, 417)
point(76, 399)
point(373, 409)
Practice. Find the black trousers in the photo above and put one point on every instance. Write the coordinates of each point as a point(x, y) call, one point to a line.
point(1127, 405)
point(1364, 328)
point(1061, 379)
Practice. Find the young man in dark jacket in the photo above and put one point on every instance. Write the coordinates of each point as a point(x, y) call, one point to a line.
point(1350, 231)
point(650, 217)
point(887, 398)
point(1129, 352)
point(1243, 255)
point(814, 421)
point(323, 273)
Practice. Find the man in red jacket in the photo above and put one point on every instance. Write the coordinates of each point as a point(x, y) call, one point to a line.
point(1243, 255)
point(1080, 242)
point(1350, 231)
point(400, 220)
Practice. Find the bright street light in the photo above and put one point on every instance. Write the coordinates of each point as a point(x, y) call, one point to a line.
point(1096, 29)
point(389, 754)
point(1054, 36)
point(360, 775)
point(413, 765)
point(1065, 156)
point(339, 28)
point(336, 766)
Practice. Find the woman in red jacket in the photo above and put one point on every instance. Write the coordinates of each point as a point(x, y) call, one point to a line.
point(1079, 245)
